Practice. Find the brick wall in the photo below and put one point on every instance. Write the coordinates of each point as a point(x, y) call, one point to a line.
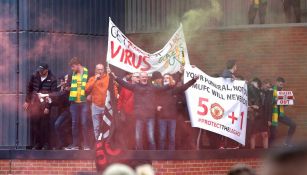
point(204, 167)
point(40, 167)
point(265, 51)
point(70, 167)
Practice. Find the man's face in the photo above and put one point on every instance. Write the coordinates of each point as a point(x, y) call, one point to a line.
point(135, 79)
point(43, 72)
point(99, 69)
point(280, 85)
point(75, 68)
point(267, 86)
point(166, 79)
point(143, 78)
point(158, 81)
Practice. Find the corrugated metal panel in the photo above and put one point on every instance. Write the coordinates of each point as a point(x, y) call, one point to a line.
point(8, 62)
point(73, 16)
point(57, 49)
point(147, 16)
point(7, 15)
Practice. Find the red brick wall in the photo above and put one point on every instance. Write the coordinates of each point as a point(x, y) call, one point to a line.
point(43, 167)
point(204, 167)
point(265, 52)
point(70, 167)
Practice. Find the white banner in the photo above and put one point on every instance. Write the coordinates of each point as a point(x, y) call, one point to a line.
point(217, 104)
point(125, 55)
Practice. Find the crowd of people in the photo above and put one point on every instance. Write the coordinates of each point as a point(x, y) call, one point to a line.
point(260, 6)
point(150, 107)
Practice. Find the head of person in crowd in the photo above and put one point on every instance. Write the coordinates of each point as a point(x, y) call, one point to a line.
point(128, 76)
point(145, 170)
point(118, 169)
point(256, 82)
point(99, 71)
point(43, 69)
point(135, 78)
point(157, 78)
point(144, 78)
point(168, 80)
point(75, 65)
point(287, 161)
point(266, 85)
point(231, 65)
point(280, 82)
point(241, 169)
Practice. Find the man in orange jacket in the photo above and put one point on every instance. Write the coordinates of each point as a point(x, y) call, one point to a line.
point(97, 88)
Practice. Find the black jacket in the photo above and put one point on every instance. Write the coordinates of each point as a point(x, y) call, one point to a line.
point(35, 85)
point(144, 98)
point(168, 100)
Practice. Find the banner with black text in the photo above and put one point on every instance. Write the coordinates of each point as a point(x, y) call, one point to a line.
point(218, 105)
point(125, 55)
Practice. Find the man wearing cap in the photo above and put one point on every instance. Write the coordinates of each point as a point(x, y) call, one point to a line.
point(42, 81)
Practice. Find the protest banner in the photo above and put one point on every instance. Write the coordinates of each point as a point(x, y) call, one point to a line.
point(285, 98)
point(125, 55)
point(218, 105)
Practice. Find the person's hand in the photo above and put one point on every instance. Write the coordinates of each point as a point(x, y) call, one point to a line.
point(46, 111)
point(269, 123)
point(196, 77)
point(255, 106)
point(97, 76)
point(108, 70)
point(159, 108)
point(89, 98)
point(181, 68)
point(26, 106)
point(193, 66)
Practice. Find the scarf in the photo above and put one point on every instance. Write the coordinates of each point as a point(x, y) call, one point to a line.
point(276, 113)
point(74, 86)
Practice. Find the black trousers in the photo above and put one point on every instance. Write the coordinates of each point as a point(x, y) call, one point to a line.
point(40, 129)
point(253, 9)
point(296, 8)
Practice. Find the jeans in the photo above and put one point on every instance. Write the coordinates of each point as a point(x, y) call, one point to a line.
point(96, 117)
point(167, 126)
point(64, 117)
point(79, 112)
point(286, 121)
point(139, 127)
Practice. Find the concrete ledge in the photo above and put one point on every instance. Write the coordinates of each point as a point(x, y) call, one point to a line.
point(132, 155)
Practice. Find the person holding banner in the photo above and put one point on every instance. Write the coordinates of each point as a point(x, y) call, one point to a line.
point(125, 108)
point(167, 108)
point(231, 68)
point(279, 115)
point(144, 107)
point(97, 88)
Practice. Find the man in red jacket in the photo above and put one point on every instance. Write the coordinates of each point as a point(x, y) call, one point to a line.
point(125, 106)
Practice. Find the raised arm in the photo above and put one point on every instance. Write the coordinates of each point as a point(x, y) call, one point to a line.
point(125, 84)
point(184, 87)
